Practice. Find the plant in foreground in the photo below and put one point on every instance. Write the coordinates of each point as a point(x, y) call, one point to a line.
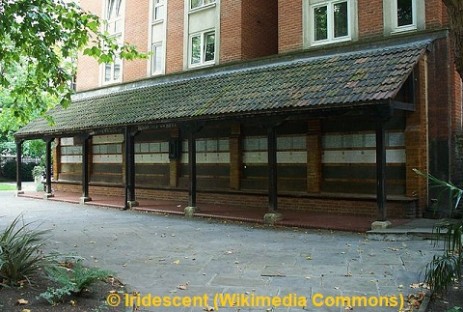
point(20, 252)
point(71, 279)
point(444, 269)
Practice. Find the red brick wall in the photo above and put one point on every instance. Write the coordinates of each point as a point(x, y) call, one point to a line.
point(370, 18)
point(174, 45)
point(439, 90)
point(259, 28)
point(88, 69)
point(137, 17)
point(366, 207)
point(230, 31)
point(416, 143)
point(289, 25)
point(435, 14)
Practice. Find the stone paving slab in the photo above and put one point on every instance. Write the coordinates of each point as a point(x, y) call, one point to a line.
point(154, 254)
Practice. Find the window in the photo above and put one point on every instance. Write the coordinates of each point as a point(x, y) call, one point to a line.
point(113, 25)
point(194, 4)
point(158, 10)
point(157, 37)
point(202, 48)
point(405, 15)
point(156, 58)
point(330, 21)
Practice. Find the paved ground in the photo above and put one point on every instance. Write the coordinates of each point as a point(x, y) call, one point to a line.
point(155, 254)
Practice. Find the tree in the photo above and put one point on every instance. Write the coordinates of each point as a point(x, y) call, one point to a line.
point(40, 40)
point(455, 13)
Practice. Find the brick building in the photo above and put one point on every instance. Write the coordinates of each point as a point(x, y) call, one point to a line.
point(313, 105)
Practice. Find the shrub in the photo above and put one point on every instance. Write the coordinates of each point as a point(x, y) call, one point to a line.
point(9, 170)
point(444, 269)
point(20, 252)
point(72, 280)
point(38, 171)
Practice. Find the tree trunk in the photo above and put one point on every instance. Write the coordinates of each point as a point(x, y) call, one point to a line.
point(455, 13)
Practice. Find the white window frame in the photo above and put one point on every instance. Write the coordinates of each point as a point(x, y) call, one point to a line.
point(154, 69)
point(156, 5)
point(330, 21)
point(395, 21)
point(202, 4)
point(110, 20)
point(157, 38)
point(202, 36)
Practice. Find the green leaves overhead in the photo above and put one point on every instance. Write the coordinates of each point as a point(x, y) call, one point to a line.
point(39, 42)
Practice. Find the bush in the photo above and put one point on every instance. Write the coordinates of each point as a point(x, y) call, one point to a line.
point(9, 170)
point(20, 252)
point(72, 280)
point(38, 171)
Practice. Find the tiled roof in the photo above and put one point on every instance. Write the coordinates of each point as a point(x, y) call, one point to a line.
point(300, 82)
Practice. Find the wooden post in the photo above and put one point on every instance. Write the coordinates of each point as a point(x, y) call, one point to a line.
point(272, 214)
point(85, 165)
point(381, 171)
point(272, 170)
point(19, 145)
point(48, 192)
point(192, 169)
point(130, 200)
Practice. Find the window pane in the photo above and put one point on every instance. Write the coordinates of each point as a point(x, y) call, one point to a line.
point(158, 12)
point(210, 47)
point(404, 12)
point(157, 58)
point(208, 1)
point(117, 26)
point(107, 72)
point(340, 20)
point(320, 23)
point(117, 70)
point(195, 50)
point(196, 3)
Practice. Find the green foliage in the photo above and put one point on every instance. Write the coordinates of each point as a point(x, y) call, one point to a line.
point(444, 269)
point(39, 42)
point(34, 148)
point(72, 279)
point(20, 252)
point(9, 170)
point(38, 171)
point(455, 309)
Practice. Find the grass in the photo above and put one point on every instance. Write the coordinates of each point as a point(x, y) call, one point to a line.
point(7, 187)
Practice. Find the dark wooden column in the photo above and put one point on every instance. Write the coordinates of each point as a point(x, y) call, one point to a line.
point(381, 171)
point(130, 200)
point(192, 169)
point(19, 145)
point(85, 165)
point(272, 169)
point(48, 165)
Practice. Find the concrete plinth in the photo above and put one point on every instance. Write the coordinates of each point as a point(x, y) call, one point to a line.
point(380, 225)
point(19, 193)
point(271, 217)
point(131, 204)
point(83, 200)
point(48, 195)
point(190, 211)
